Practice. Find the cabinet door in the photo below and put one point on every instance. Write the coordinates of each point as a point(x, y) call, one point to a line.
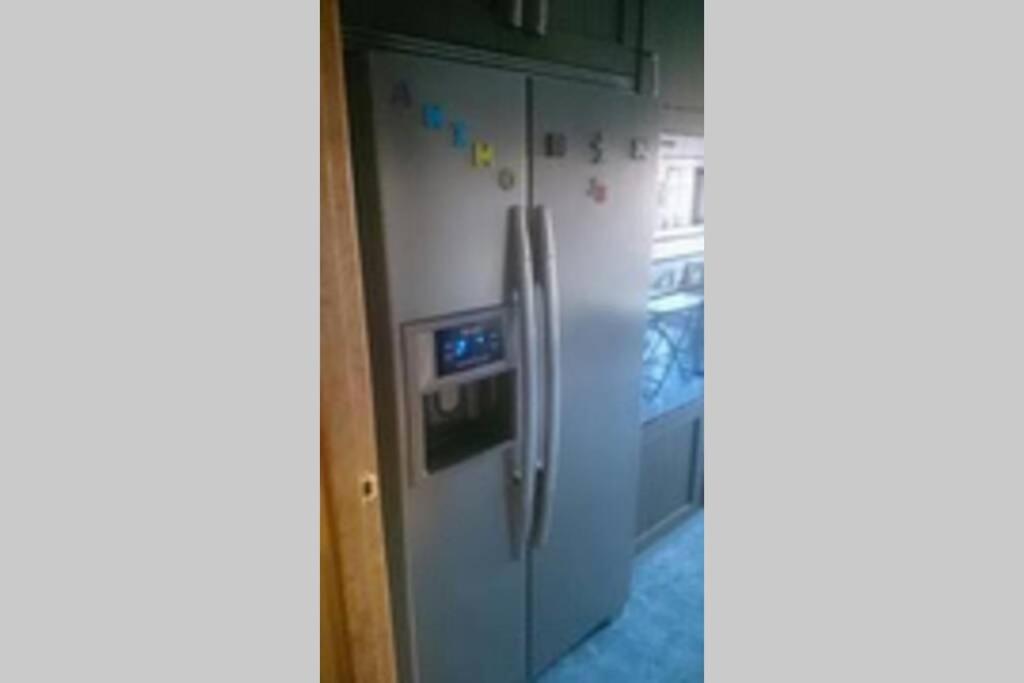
point(424, 18)
point(671, 470)
point(597, 34)
point(600, 34)
point(674, 30)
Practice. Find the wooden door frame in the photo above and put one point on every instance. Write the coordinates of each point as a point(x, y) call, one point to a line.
point(355, 617)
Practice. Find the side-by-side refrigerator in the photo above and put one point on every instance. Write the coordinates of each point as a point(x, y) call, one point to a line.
point(505, 223)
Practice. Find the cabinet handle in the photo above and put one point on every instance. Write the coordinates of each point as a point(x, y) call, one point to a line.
point(648, 79)
point(514, 12)
point(538, 19)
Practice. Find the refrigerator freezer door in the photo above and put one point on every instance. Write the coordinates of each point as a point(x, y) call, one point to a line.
point(599, 189)
point(446, 162)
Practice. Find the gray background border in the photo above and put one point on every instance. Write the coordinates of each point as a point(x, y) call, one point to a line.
point(158, 362)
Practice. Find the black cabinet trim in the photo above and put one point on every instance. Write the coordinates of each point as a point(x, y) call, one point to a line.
point(361, 38)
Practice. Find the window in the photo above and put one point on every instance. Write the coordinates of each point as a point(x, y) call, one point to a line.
point(674, 342)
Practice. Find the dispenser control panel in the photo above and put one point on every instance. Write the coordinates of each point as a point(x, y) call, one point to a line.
point(468, 346)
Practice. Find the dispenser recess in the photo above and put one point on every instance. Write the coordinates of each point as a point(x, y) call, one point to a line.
point(463, 393)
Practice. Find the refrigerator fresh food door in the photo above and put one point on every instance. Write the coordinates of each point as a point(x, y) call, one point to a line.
point(444, 163)
point(594, 164)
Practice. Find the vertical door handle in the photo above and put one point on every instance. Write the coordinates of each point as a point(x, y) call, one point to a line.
point(537, 21)
point(523, 291)
point(548, 267)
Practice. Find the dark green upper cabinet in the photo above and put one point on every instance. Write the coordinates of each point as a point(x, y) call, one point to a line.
point(601, 35)
point(674, 30)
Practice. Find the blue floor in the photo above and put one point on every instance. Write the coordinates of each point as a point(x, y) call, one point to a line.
point(659, 638)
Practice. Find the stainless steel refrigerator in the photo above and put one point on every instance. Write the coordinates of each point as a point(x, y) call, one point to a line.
point(506, 223)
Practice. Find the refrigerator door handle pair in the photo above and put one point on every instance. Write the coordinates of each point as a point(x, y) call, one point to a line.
point(529, 466)
point(526, 475)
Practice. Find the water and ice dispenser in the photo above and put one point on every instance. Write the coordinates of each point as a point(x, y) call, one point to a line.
point(462, 388)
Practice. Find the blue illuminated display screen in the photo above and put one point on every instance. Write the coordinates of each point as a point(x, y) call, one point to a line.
point(468, 346)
